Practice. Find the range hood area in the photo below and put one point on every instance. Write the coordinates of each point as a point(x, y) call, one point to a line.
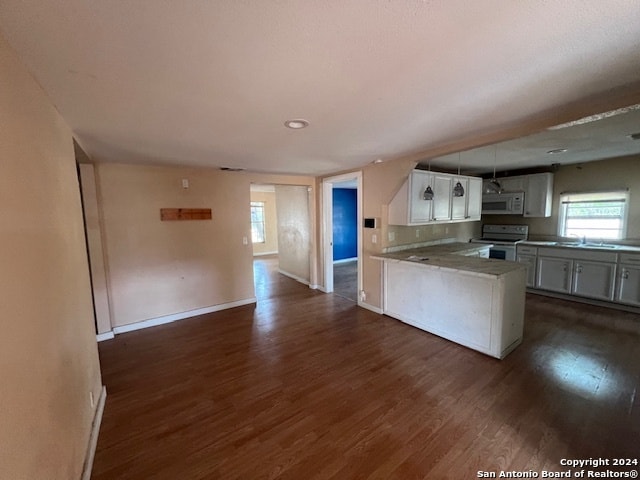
point(526, 195)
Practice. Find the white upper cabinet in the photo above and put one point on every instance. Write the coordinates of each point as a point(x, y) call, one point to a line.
point(441, 197)
point(538, 195)
point(537, 188)
point(409, 206)
point(512, 184)
point(420, 210)
point(459, 204)
point(474, 198)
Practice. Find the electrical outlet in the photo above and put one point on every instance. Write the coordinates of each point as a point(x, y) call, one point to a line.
point(374, 238)
point(392, 236)
point(417, 233)
point(245, 241)
point(363, 295)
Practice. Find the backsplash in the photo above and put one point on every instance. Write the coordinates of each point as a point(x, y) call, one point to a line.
point(396, 235)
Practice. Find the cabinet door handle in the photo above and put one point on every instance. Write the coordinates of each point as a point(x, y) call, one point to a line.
point(625, 274)
point(564, 268)
point(579, 269)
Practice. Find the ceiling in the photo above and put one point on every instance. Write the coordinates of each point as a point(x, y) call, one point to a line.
point(595, 139)
point(205, 83)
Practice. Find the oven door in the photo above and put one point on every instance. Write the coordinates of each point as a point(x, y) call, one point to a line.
point(503, 252)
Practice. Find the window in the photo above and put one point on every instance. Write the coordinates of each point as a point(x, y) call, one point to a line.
point(257, 222)
point(600, 215)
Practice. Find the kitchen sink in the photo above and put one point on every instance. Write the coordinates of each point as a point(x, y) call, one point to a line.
point(598, 245)
point(604, 246)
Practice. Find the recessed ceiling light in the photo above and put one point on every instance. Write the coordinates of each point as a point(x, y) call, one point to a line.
point(556, 151)
point(296, 124)
point(377, 160)
point(231, 169)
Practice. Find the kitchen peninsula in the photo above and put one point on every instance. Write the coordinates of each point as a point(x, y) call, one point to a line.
point(449, 291)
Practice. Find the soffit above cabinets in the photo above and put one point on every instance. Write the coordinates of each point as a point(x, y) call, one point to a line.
point(598, 139)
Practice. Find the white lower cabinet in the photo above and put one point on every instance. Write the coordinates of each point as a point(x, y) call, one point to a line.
point(530, 262)
point(488, 317)
point(594, 279)
point(529, 256)
point(581, 272)
point(554, 274)
point(629, 287)
point(584, 272)
point(628, 291)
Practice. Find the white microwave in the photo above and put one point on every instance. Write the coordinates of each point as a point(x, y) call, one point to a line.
point(507, 203)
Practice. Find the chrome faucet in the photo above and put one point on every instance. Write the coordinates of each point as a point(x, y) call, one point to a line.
point(581, 240)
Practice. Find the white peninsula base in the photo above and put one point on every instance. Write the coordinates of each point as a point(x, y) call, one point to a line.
point(481, 311)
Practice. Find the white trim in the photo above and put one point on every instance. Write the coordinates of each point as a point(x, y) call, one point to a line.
point(327, 233)
point(370, 307)
point(93, 437)
point(327, 226)
point(101, 337)
point(265, 253)
point(295, 277)
point(346, 260)
point(153, 322)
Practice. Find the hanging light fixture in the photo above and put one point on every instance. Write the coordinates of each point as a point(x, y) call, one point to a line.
point(494, 186)
point(428, 193)
point(458, 190)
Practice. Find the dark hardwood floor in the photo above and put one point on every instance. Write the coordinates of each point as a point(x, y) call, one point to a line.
point(309, 386)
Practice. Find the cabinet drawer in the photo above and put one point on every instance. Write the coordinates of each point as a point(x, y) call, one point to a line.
point(527, 250)
point(630, 258)
point(579, 254)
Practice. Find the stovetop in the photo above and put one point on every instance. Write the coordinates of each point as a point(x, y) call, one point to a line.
point(503, 234)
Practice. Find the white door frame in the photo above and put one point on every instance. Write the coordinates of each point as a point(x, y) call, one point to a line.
point(327, 227)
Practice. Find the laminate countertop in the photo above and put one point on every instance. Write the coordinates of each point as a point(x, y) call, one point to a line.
point(584, 246)
point(451, 256)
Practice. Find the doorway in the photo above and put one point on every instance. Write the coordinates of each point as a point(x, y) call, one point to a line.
point(281, 236)
point(342, 270)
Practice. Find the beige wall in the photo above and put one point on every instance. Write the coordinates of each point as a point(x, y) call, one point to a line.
point(49, 359)
point(294, 231)
point(270, 244)
point(158, 268)
point(598, 175)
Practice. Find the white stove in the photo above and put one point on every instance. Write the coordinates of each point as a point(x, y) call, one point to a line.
point(504, 239)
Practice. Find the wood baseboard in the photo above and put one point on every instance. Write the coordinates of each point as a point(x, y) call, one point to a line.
point(93, 437)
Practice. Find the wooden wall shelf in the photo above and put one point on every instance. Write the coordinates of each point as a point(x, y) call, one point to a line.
point(167, 214)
